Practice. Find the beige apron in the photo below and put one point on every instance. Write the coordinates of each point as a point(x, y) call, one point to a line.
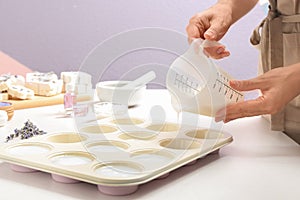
point(278, 38)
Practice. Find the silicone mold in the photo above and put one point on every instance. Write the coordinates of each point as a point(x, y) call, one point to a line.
point(115, 155)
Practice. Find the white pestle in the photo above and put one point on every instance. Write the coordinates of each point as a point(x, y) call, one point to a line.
point(142, 80)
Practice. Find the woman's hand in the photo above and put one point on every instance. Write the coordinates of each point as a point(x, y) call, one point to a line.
point(217, 52)
point(211, 24)
point(278, 87)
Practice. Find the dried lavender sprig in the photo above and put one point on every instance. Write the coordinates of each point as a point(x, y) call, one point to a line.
point(27, 131)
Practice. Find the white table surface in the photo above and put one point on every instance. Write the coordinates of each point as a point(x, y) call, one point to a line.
point(258, 164)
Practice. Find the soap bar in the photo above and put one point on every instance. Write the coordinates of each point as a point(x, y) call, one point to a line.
point(3, 96)
point(44, 84)
point(6, 80)
point(82, 81)
point(40, 77)
point(81, 88)
point(20, 92)
point(76, 77)
point(18, 80)
point(45, 87)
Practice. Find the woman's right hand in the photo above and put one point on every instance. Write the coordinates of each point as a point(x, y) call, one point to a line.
point(211, 24)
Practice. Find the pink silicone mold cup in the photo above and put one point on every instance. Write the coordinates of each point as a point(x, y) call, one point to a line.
point(164, 176)
point(195, 161)
point(191, 163)
point(65, 138)
point(69, 159)
point(27, 149)
point(149, 156)
point(182, 145)
point(63, 179)
point(118, 172)
point(18, 168)
point(117, 190)
point(215, 152)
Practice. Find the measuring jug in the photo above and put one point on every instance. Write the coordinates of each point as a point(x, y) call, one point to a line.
point(197, 84)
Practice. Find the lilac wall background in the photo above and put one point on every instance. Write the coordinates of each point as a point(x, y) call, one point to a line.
point(56, 35)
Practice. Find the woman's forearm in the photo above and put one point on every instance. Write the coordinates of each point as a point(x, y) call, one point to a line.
point(239, 8)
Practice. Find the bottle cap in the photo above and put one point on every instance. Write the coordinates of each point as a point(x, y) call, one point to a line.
point(70, 87)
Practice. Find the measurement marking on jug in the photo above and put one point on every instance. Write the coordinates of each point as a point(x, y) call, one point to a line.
point(227, 88)
point(185, 84)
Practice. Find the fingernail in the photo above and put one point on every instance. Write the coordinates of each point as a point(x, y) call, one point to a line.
point(227, 120)
point(218, 119)
point(220, 50)
point(219, 116)
point(234, 83)
point(225, 54)
point(209, 34)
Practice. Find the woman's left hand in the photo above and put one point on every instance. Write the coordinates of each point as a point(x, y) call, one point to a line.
point(278, 87)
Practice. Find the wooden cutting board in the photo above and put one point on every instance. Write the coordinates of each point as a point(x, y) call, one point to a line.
point(39, 101)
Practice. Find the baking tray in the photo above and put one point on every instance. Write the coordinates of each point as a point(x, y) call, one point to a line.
point(117, 155)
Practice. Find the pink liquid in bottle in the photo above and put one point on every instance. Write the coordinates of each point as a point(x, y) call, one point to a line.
point(69, 98)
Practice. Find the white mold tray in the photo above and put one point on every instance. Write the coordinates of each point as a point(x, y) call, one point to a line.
point(116, 155)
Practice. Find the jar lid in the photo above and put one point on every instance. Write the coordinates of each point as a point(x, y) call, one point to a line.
point(3, 104)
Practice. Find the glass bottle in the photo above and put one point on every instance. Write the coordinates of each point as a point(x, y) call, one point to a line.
point(69, 97)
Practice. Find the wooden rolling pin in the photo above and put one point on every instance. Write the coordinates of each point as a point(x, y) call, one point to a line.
point(39, 101)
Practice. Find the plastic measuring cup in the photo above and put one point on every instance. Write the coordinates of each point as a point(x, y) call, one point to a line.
point(197, 84)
